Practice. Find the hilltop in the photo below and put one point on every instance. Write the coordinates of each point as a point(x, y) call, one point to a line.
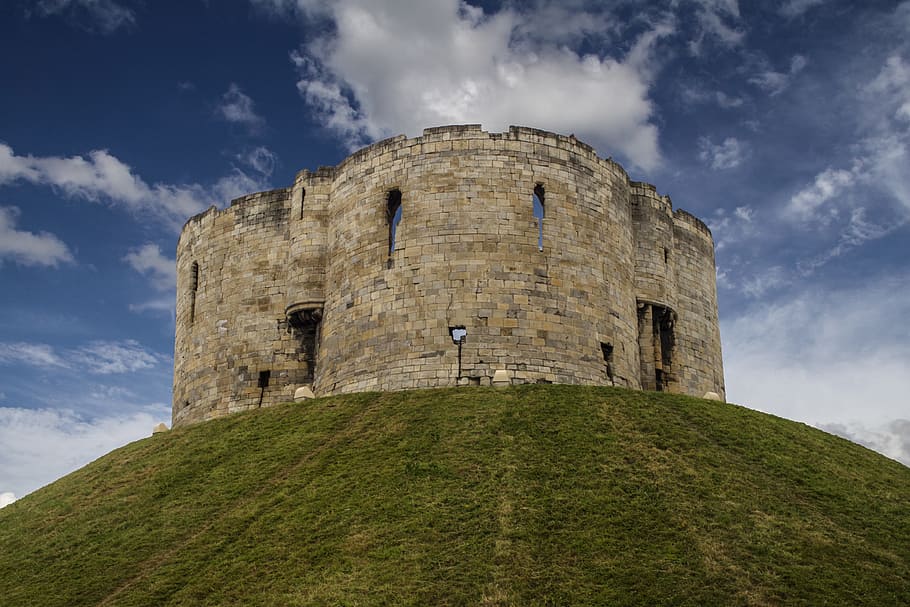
point(532, 495)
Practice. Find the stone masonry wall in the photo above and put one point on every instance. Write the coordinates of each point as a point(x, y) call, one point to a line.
point(299, 285)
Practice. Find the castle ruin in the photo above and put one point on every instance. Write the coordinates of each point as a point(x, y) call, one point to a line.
point(459, 257)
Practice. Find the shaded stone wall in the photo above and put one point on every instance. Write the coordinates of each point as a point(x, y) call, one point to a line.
point(301, 282)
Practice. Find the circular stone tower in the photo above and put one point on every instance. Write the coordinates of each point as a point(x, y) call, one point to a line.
point(460, 257)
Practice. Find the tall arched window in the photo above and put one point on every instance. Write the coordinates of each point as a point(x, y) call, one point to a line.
point(194, 286)
point(539, 213)
point(393, 216)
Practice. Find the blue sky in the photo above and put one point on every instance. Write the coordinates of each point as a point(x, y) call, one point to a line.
point(784, 124)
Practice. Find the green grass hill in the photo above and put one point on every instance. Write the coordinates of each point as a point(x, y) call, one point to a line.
point(533, 495)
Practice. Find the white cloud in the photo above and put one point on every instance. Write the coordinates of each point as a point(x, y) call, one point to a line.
point(37, 355)
point(105, 357)
point(238, 108)
point(721, 156)
point(103, 15)
point(29, 248)
point(807, 204)
point(857, 231)
point(775, 83)
point(148, 260)
point(39, 446)
point(7, 498)
point(97, 357)
point(392, 67)
point(718, 19)
point(891, 439)
point(759, 284)
point(260, 159)
point(833, 356)
point(696, 94)
point(102, 176)
point(155, 305)
point(795, 8)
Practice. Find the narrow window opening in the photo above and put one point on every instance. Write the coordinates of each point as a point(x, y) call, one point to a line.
point(393, 216)
point(607, 350)
point(302, 198)
point(264, 377)
point(666, 255)
point(194, 286)
point(539, 212)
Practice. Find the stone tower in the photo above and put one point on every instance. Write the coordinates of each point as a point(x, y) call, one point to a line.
point(446, 259)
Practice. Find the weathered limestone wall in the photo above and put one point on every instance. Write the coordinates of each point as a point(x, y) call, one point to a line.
point(466, 254)
point(236, 328)
point(698, 347)
point(301, 282)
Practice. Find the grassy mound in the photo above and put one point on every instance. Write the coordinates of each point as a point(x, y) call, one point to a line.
point(535, 495)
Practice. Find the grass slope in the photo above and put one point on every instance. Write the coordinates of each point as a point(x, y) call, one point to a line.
point(535, 495)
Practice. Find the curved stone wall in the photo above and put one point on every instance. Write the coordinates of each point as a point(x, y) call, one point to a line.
point(309, 286)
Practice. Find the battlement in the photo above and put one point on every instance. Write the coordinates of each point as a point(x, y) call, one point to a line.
point(458, 257)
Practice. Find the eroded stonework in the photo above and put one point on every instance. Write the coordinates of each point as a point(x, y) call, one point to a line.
point(425, 262)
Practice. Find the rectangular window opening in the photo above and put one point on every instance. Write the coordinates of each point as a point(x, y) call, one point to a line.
point(539, 212)
point(307, 325)
point(606, 349)
point(194, 287)
point(264, 377)
point(393, 216)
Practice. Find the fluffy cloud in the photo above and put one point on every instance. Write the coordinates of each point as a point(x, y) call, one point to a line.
point(29, 248)
point(389, 67)
point(148, 260)
point(105, 16)
point(39, 446)
point(238, 108)
point(102, 177)
point(807, 204)
point(726, 155)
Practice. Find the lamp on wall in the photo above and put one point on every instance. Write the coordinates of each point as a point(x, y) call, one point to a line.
point(458, 334)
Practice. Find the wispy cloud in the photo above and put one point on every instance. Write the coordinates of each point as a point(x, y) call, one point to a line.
point(96, 357)
point(725, 155)
point(795, 8)
point(720, 21)
point(149, 261)
point(29, 248)
point(100, 176)
point(466, 66)
point(37, 355)
point(105, 357)
point(238, 108)
point(105, 16)
point(7, 498)
point(773, 82)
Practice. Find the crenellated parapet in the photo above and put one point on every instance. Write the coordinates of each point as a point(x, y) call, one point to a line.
point(452, 258)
